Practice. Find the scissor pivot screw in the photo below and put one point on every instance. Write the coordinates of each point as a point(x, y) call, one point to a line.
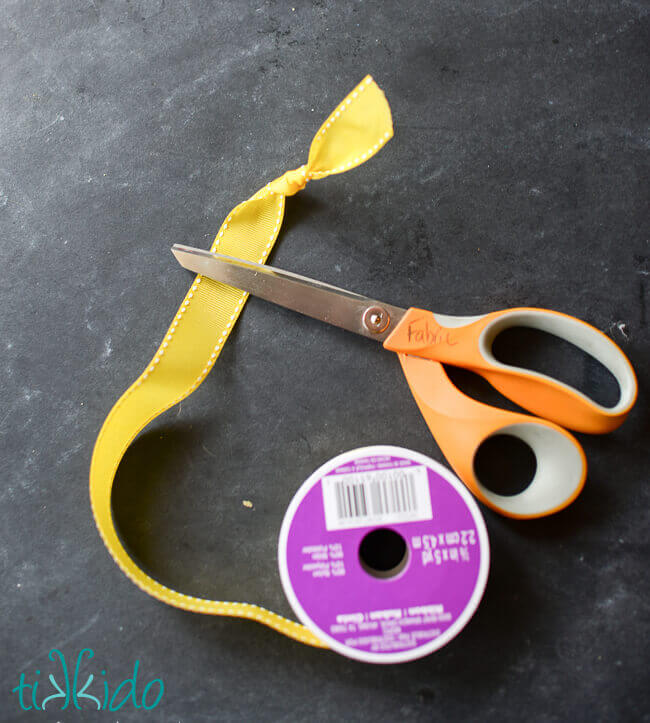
point(376, 319)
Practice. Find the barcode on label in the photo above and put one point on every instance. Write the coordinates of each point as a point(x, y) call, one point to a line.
point(379, 496)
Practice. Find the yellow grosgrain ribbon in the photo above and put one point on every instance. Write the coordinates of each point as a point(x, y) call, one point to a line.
point(354, 132)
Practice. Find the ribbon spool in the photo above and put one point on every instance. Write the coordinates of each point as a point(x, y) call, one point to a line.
point(383, 554)
point(357, 129)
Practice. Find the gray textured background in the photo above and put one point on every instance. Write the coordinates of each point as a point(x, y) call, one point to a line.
point(517, 176)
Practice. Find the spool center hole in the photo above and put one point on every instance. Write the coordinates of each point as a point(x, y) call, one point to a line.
point(383, 553)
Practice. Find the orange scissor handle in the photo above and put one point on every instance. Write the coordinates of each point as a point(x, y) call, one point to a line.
point(461, 424)
point(467, 342)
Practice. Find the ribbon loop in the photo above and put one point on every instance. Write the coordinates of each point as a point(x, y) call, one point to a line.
point(354, 132)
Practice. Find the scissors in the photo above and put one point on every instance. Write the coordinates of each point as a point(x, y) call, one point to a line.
point(424, 341)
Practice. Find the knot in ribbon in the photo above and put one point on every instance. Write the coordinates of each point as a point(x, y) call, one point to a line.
point(291, 182)
point(355, 130)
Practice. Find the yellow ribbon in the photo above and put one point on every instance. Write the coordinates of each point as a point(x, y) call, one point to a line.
point(354, 132)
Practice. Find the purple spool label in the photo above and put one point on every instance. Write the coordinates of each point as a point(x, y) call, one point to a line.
point(425, 600)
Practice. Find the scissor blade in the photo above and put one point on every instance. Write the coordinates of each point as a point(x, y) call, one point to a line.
point(313, 298)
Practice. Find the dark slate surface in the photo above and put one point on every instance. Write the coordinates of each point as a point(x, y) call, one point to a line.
point(517, 175)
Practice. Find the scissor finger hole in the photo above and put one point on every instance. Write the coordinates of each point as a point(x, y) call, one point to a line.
point(557, 477)
point(505, 464)
point(544, 352)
